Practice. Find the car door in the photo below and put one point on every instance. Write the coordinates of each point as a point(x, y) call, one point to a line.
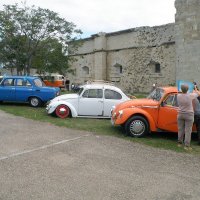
point(23, 89)
point(167, 117)
point(111, 98)
point(91, 103)
point(7, 90)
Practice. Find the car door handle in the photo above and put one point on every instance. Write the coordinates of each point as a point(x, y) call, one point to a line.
point(101, 101)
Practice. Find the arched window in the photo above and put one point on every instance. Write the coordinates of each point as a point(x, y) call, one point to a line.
point(85, 70)
point(118, 68)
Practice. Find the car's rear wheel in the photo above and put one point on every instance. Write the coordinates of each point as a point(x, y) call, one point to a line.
point(137, 126)
point(35, 102)
point(62, 111)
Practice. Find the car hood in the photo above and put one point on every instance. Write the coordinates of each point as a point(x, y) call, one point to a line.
point(137, 103)
point(65, 97)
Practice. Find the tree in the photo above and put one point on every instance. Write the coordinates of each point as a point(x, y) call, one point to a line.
point(33, 37)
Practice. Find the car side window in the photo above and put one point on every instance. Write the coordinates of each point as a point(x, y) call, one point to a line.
point(171, 100)
point(85, 94)
point(111, 94)
point(23, 82)
point(38, 82)
point(8, 82)
point(93, 93)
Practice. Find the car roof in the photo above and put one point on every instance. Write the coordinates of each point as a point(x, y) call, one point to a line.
point(169, 89)
point(97, 85)
point(29, 77)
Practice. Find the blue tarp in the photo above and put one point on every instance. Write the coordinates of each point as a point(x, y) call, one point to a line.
point(182, 82)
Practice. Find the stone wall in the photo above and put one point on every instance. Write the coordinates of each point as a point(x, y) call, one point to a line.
point(129, 58)
point(187, 26)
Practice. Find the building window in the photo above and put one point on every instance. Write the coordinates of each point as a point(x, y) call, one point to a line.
point(85, 70)
point(119, 68)
point(157, 68)
point(154, 67)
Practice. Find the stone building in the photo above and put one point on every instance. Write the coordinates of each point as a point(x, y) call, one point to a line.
point(187, 29)
point(136, 58)
point(133, 59)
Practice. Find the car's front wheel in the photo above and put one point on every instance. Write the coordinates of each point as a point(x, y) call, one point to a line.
point(35, 102)
point(62, 111)
point(137, 126)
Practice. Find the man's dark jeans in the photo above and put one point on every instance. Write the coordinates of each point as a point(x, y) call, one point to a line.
point(197, 123)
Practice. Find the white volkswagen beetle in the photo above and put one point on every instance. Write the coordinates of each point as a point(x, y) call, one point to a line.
point(93, 100)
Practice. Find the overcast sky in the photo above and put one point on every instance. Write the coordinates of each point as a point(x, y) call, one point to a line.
point(93, 16)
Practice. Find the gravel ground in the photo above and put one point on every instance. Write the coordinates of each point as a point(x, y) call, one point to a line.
point(41, 161)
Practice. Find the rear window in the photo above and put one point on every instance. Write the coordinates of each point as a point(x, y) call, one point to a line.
point(38, 82)
point(111, 94)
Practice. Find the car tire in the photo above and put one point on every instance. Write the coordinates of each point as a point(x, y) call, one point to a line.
point(62, 111)
point(35, 102)
point(137, 126)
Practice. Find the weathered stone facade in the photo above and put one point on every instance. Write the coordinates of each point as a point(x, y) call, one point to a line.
point(133, 59)
point(136, 58)
point(187, 28)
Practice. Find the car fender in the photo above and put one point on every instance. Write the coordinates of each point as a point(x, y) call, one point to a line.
point(54, 105)
point(130, 112)
point(31, 96)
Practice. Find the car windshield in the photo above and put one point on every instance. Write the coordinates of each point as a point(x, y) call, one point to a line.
point(156, 94)
point(38, 82)
point(80, 91)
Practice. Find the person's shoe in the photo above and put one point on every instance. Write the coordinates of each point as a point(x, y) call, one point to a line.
point(188, 148)
point(179, 145)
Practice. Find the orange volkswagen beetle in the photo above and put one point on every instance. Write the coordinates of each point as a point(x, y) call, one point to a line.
point(157, 112)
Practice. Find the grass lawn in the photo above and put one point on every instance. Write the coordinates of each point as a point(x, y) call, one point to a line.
point(98, 126)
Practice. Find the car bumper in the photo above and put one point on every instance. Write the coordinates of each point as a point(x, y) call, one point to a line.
point(49, 109)
point(112, 121)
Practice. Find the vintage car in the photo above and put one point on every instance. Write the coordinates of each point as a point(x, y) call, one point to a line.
point(52, 80)
point(157, 112)
point(92, 100)
point(26, 89)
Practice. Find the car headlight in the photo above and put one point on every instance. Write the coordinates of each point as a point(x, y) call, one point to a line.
point(121, 113)
point(114, 115)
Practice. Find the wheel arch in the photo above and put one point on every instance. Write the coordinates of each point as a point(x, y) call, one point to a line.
point(33, 97)
point(147, 117)
point(40, 102)
point(71, 107)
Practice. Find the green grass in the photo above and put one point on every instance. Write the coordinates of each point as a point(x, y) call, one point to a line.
point(98, 126)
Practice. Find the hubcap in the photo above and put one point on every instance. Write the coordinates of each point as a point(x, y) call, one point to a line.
point(137, 127)
point(34, 101)
point(62, 111)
